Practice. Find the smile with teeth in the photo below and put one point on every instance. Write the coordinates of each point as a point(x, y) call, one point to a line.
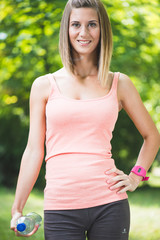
point(84, 42)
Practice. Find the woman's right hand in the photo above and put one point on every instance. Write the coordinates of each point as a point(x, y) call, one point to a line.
point(14, 219)
point(13, 225)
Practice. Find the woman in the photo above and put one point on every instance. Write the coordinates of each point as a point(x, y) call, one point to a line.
point(75, 110)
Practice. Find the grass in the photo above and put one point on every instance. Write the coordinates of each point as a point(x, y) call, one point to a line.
point(144, 206)
point(34, 203)
point(145, 214)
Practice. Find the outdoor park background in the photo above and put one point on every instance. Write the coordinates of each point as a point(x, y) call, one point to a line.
point(29, 32)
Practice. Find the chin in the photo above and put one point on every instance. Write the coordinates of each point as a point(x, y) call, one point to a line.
point(85, 51)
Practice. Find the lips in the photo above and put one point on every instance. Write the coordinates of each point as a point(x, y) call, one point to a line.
point(84, 42)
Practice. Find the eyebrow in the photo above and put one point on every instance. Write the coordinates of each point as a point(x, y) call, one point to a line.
point(88, 21)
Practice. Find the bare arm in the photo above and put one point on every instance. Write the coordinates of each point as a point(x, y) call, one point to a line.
point(130, 100)
point(34, 153)
point(132, 104)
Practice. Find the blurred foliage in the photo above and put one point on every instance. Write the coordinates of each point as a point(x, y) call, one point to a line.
point(29, 33)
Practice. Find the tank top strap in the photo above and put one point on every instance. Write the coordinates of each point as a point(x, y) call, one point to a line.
point(115, 82)
point(54, 91)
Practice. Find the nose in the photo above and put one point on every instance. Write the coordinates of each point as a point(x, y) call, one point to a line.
point(83, 31)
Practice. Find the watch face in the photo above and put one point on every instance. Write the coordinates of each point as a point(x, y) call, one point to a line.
point(139, 170)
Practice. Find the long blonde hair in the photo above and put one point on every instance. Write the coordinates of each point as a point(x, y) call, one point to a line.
point(106, 43)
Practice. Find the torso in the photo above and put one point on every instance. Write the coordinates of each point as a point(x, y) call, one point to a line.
point(77, 88)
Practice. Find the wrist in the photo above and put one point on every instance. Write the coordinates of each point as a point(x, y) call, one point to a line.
point(16, 209)
point(140, 171)
point(135, 177)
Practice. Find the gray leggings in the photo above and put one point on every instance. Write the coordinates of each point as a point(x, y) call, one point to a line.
point(105, 222)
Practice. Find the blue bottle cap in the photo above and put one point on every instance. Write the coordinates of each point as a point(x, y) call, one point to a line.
point(21, 227)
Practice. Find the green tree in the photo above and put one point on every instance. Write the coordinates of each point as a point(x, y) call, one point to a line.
point(29, 33)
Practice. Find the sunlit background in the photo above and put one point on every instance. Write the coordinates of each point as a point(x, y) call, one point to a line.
point(29, 33)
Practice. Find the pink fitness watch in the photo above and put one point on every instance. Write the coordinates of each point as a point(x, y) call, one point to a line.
point(140, 171)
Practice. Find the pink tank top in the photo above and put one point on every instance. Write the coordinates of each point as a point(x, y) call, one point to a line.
point(78, 149)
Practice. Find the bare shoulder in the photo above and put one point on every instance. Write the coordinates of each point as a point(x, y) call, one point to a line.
point(41, 81)
point(126, 88)
point(41, 87)
point(124, 81)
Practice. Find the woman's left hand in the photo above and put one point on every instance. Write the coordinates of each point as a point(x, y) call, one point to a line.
point(122, 181)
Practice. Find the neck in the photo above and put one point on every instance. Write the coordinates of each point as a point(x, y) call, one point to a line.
point(85, 65)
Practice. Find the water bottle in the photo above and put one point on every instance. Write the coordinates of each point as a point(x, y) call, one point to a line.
point(26, 224)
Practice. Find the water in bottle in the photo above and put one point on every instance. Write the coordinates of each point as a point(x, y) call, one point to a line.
point(26, 224)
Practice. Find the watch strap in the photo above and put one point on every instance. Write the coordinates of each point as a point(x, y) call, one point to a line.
point(140, 171)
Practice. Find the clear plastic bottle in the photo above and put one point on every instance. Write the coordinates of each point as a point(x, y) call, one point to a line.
point(26, 224)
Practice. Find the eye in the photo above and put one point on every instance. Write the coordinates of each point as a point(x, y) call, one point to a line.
point(76, 25)
point(92, 24)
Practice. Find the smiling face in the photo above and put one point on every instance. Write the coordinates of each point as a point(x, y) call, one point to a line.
point(84, 30)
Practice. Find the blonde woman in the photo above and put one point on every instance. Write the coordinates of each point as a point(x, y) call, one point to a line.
point(74, 111)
